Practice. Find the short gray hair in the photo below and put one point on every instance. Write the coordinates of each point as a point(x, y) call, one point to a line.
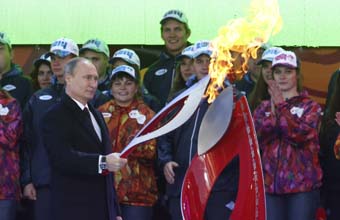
point(71, 65)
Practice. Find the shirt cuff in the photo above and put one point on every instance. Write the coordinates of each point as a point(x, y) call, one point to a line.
point(100, 169)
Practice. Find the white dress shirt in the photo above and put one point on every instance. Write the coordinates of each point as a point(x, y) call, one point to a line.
point(93, 119)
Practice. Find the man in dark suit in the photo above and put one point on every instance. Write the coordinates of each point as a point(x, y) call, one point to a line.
point(79, 150)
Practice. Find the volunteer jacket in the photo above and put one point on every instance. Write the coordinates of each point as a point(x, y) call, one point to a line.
point(289, 143)
point(17, 85)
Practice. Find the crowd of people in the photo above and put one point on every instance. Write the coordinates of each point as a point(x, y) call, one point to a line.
point(63, 125)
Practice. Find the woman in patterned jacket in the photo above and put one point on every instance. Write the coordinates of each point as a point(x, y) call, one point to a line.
point(10, 132)
point(125, 115)
point(287, 130)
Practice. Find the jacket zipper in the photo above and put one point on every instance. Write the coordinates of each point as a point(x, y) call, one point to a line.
point(278, 154)
point(173, 74)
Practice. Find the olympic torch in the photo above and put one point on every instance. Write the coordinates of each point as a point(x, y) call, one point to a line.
point(227, 128)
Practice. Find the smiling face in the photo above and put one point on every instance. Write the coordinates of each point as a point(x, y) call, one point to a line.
point(186, 68)
point(175, 36)
point(124, 88)
point(201, 66)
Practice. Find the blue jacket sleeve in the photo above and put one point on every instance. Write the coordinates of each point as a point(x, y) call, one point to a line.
point(165, 149)
point(26, 144)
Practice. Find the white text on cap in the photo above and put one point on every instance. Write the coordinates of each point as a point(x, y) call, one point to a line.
point(202, 47)
point(64, 46)
point(286, 58)
point(97, 46)
point(127, 55)
point(175, 14)
point(125, 69)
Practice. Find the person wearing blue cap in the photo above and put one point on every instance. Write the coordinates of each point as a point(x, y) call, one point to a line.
point(248, 81)
point(35, 168)
point(175, 32)
point(125, 56)
point(201, 56)
point(177, 148)
point(184, 70)
point(260, 92)
point(42, 72)
point(201, 53)
point(125, 115)
point(129, 57)
point(12, 79)
point(97, 51)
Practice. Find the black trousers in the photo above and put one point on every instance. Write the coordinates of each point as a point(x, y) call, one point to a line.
point(42, 206)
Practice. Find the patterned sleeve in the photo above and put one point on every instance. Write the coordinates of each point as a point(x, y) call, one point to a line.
point(26, 149)
point(10, 125)
point(146, 150)
point(299, 124)
point(265, 123)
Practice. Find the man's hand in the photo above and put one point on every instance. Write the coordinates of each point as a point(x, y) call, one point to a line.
point(114, 162)
point(169, 171)
point(30, 192)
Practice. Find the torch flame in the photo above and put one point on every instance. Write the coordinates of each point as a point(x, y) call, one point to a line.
point(239, 40)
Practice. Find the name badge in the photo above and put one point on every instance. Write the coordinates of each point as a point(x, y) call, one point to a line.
point(138, 116)
point(3, 110)
point(9, 87)
point(45, 97)
point(297, 111)
point(106, 114)
point(161, 72)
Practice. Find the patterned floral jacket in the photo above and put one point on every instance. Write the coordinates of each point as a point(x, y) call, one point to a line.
point(289, 144)
point(136, 182)
point(10, 132)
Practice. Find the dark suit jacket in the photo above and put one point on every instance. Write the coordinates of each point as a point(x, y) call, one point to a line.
point(78, 191)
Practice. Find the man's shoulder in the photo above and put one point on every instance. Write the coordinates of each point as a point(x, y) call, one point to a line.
point(45, 95)
point(65, 103)
point(22, 80)
point(154, 66)
point(164, 61)
point(56, 107)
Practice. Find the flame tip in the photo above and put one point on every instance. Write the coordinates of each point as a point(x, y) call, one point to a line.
point(241, 37)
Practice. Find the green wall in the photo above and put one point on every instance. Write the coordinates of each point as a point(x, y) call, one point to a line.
point(305, 22)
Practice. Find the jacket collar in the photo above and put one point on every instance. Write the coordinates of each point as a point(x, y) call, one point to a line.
point(14, 71)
